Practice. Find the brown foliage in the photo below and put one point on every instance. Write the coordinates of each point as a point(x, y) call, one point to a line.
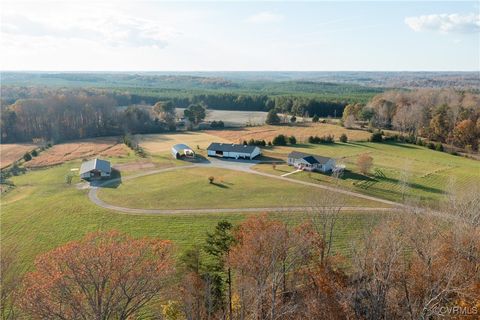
point(364, 163)
point(103, 276)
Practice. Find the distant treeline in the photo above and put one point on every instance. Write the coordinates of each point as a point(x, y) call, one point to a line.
point(66, 116)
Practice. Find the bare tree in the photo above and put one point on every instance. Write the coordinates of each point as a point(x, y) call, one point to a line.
point(10, 280)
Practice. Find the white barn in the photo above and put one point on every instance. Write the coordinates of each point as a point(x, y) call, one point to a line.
point(235, 151)
point(182, 150)
point(95, 169)
point(310, 162)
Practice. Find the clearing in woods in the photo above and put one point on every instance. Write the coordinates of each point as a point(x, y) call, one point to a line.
point(9, 153)
point(80, 149)
point(300, 131)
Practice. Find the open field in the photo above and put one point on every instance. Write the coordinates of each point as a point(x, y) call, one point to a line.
point(233, 118)
point(190, 189)
point(162, 143)
point(81, 149)
point(43, 212)
point(300, 131)
point(428, 173)
point(13, 152)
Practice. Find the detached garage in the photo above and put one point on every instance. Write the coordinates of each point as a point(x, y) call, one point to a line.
point(95, 169)
point(235, 151)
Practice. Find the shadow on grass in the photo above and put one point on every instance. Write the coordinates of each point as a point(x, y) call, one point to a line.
point(220, 185)
point(113, 182)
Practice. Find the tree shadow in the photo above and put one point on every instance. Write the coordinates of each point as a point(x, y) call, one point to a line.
point(220, 185)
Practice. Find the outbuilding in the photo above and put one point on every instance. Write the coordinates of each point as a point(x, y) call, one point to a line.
point(182, 150)
point(95, 169)
point(310, 162)
point(232, 150)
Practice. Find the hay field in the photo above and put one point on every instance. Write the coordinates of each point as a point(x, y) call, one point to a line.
point(233, 118)
point(301, 132)
point(162, 143)
point(9, 153)
point(81, 149)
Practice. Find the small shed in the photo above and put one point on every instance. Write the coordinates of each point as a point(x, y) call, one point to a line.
point(310, 162)
point(235, 151)
point(95, 169)
point(182, 150)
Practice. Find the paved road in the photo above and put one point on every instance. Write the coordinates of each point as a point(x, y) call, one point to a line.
point(244, 166)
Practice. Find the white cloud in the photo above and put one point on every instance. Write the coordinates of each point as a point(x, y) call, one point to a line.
point(116, 30)
point(264, 17)
point(445, 23)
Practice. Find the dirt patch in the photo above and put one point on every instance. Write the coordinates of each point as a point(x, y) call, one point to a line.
point(301, 132)
point(82, 149)
point(13, 152)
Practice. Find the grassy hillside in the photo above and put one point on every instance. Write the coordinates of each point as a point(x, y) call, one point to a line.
point(428, 173)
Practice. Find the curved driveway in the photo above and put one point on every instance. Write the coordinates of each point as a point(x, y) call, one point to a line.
point(244, 166)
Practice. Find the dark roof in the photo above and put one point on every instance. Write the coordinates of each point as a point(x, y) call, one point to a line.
point(231, 147)
point(310, 158)
point(95, 164)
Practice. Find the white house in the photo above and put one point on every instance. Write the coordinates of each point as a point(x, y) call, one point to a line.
point(95, 169)
point(310, 162)
point(182, 150)
point(235, 151)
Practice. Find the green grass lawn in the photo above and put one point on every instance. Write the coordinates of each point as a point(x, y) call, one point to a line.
point(190, 189)
point(428, 172)
point(43, 212)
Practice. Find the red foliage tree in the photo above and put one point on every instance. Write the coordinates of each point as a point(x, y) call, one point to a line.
point(103, 276)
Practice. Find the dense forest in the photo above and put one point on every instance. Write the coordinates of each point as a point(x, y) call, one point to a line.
point(411, 265)
point(447, 115)
point(67, 113)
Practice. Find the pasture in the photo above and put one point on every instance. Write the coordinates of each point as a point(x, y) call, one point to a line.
point(9, 153)
point(43, 212)
point(190, 189)
point(80, 149)
point(300, 131)
point(427, 174)
point(233, 118)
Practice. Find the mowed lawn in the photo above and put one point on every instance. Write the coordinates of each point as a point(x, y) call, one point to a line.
point(43, 212)
point(428, 173)
point(190, 189)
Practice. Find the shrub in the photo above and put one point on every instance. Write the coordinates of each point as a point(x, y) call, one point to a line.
point(343, 138)
point(364, 163)
point(211, 179)
point(253, 142)
point(34, 153)
point(280, 140)
point(217, 124)
point(439, 146)
point(376, 137)
point(293, 119)
point(431, 145)
point(27, 157)
point(315, 118)
point(328, 139)
point(270, 143)
point(292, 140)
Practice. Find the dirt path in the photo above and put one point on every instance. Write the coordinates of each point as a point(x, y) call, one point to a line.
point(244, 167)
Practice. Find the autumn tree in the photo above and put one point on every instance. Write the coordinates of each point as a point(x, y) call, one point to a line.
point(465, 134)
point(102, 276)
point(364, 163)
point(264, 254)
point(10, 281)
point(440, 124)
point(165, 111)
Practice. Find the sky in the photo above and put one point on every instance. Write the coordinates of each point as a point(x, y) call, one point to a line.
point(239, 36)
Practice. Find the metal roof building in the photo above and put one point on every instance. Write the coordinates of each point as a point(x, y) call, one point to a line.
point(95, 168)
point(232, 150)
point(182, 150)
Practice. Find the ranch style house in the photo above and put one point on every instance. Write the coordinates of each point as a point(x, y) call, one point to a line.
point(235, 151)
point(310, 162)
